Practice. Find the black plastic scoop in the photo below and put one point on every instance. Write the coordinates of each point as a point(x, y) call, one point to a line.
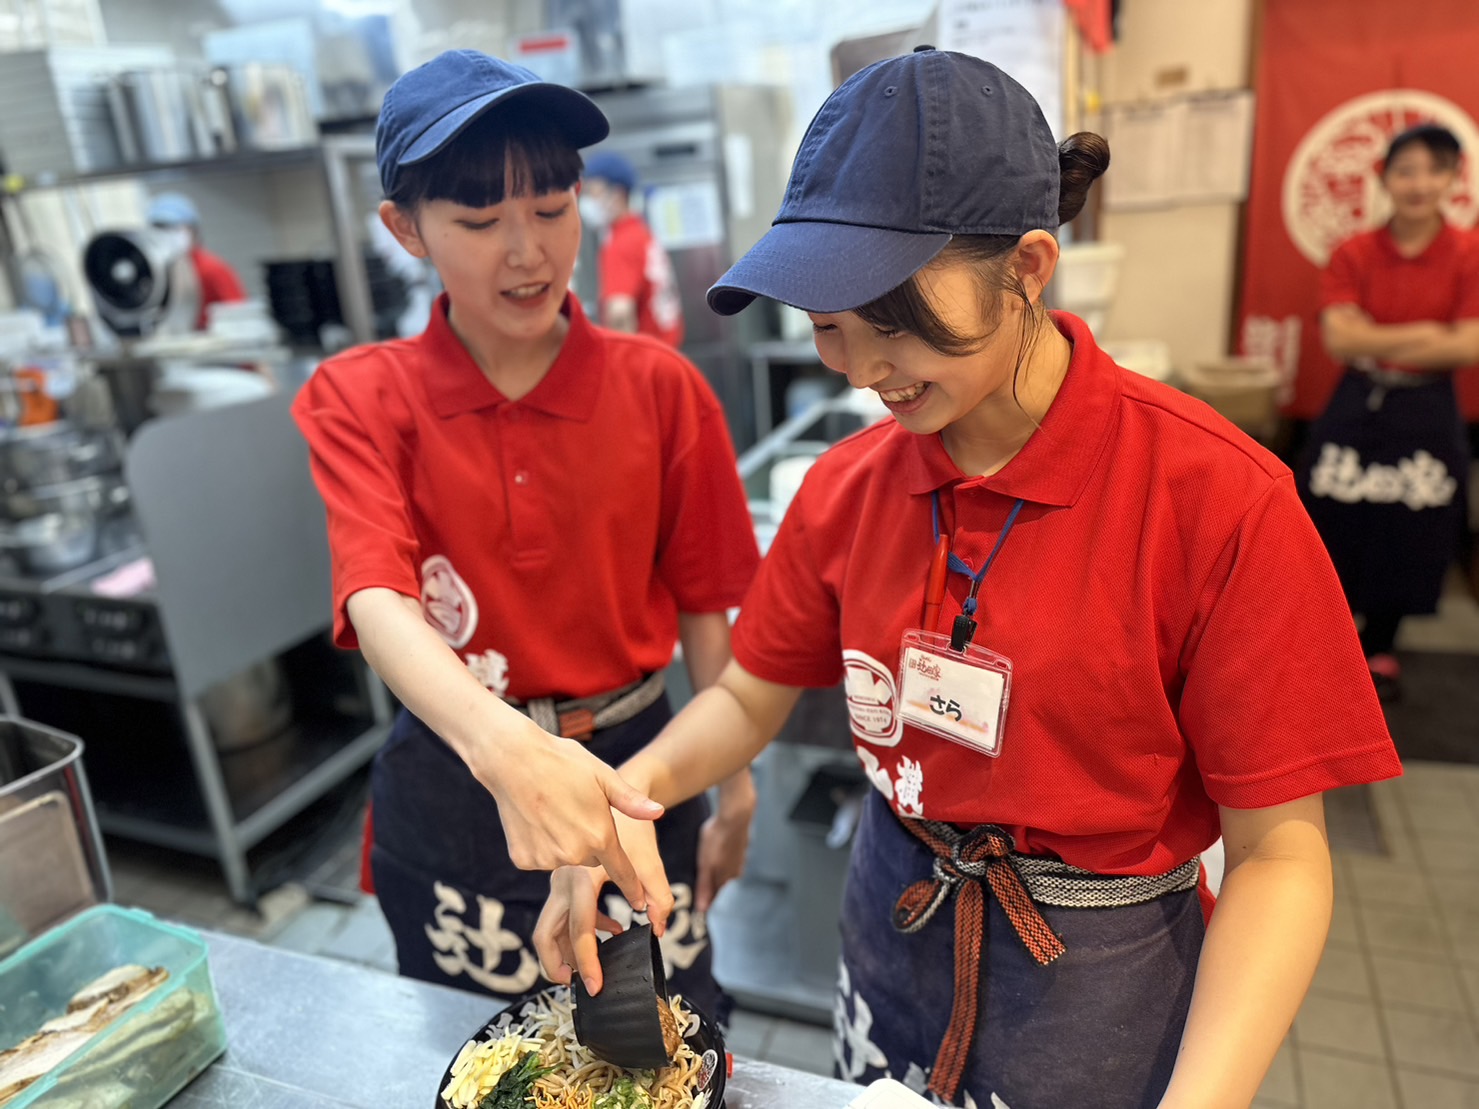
point(621, 1024)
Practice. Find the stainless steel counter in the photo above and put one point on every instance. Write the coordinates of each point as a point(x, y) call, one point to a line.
point(306, 1031)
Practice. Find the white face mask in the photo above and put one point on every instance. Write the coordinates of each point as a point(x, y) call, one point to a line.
point(595, 211)
point(176, 240)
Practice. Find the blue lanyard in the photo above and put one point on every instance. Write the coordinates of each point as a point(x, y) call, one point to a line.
point(964, 629)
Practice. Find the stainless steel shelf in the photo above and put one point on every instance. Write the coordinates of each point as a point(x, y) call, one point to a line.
point(236, 533)
point(92, 679)
point(250, 161)
point(329, 752)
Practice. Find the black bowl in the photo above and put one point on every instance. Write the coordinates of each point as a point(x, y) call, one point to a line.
point(620, 1024)
point(706, 1042)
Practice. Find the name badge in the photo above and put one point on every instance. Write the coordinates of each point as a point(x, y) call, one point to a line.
point(958, 695)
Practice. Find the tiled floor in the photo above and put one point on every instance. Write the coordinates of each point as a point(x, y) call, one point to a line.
point(1392, 1021)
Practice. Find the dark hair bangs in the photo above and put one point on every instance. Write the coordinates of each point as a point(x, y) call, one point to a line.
point(496, 156)
point(1441, 143)
point(906, 307)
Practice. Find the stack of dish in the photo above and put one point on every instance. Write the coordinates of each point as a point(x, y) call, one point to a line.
point(59, 484)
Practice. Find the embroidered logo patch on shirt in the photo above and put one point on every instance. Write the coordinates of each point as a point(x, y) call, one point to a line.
point(872, 699)
point(447, 602)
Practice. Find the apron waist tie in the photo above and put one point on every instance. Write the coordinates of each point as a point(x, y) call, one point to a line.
point(583, 717)
point(985, 855)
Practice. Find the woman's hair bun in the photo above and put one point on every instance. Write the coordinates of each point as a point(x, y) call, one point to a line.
point(1082, 160)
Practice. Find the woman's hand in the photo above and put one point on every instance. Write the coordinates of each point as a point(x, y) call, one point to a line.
point(725, 838)
point(555, 800)
point(565, 935)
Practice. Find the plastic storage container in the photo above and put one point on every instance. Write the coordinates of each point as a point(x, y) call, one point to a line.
point(1086, 280)
point(1244, 390)
point(52, 864)
point(150, 1051)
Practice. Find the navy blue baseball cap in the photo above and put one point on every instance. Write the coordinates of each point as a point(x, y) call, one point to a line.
point(906, 154)
point(611, 166)
point(432, 104)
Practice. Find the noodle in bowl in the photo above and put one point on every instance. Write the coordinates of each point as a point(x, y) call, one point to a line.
point(543, 1025)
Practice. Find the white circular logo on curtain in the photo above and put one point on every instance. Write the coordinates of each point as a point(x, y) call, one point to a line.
point(1332, 187)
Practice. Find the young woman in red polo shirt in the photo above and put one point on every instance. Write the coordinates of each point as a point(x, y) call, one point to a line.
point(1083, 624)
point(1387, 463)
point(526, 512)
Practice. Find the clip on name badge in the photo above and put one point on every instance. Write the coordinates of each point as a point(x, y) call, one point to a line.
point(957, 694)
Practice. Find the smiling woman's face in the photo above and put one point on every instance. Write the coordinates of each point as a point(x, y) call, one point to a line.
point(923, 388)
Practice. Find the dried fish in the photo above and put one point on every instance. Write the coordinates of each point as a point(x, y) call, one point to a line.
point(92, 1008)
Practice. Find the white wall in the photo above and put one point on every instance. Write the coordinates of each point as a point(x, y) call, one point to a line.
point(1176, 283)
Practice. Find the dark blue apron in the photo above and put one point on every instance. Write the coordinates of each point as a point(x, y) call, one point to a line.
point(1392, 531)
point(462, 914)
point(1099, 1026)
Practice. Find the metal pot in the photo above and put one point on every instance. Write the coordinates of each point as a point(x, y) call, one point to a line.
point(100, 496)
point(55, 453)
point(247, 708)
point(152, 115)
point(52, 543)
point(215, 131)
point(270, 106)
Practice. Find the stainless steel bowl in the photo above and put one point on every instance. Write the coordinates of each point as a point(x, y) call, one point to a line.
point(52, 543)
point(56, 453)
point(101, 496)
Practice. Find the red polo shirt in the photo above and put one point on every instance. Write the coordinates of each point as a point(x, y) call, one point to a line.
point(634, 264)
point(218, 283)
point(1441, 283)
point(1178, 635)
point(552, 540)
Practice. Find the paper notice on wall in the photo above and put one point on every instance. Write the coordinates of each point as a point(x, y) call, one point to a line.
point(739, 174)
point(1143, 155)
point(1023, 37)
point(1217, 147)
point(1186, 150)
point(686, 214)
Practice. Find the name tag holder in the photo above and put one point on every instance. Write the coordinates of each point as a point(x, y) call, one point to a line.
point(957, 694)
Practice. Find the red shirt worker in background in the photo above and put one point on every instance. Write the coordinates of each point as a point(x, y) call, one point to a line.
point(638, 290)
point(176, 214)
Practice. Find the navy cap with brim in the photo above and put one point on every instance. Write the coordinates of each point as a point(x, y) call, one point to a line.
point(573, 112)
point(824, 267)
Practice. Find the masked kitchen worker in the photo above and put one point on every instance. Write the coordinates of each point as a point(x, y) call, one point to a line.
point(175, 216)
point(638, 291)
point(1084, 627)
point(526, 514)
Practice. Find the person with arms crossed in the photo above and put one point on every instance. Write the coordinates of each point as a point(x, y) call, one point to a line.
point(1386, 465)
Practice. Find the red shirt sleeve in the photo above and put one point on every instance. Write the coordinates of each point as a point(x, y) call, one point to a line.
point(1278, 703)
point(218, 281)
point(371, 540)
point(789, 628)
point(624, 260)
point(706, 545)
point(1340, 281)
point(1467, 305)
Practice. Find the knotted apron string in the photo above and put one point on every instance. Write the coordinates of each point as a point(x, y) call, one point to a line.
point(966, 862)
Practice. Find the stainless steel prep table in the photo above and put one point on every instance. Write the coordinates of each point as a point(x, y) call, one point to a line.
point(308, 1031)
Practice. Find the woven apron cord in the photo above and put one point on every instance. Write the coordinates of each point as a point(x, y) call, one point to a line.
point(967, 862)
